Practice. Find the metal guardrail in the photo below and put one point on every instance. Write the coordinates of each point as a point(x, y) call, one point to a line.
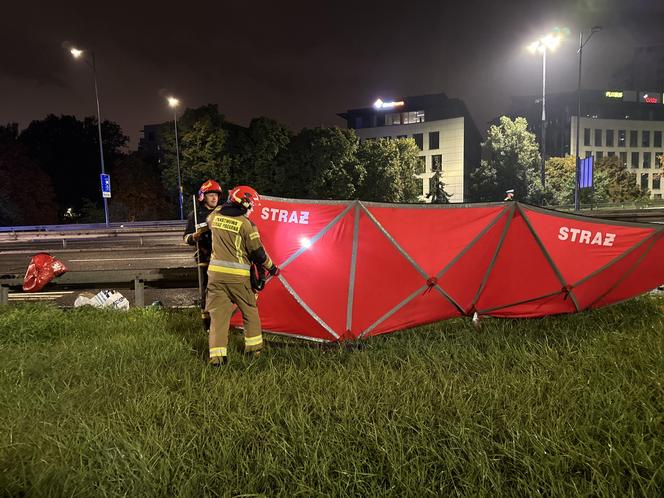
point(123, 255)
point(612, 206)
point(95, 226)
point(161, 278)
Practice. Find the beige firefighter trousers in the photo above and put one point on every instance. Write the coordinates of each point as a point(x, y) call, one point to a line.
point(221, 298)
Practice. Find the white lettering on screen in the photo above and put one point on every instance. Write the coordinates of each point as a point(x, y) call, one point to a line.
point(285, 216)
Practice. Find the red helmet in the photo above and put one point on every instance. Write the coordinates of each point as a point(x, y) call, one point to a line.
point(209, 187)
point(244, 196)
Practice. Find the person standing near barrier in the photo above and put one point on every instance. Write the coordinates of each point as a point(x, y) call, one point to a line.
point(236, 244)
point(208, 199)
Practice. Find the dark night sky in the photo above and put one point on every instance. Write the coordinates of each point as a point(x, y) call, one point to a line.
point(301, 62)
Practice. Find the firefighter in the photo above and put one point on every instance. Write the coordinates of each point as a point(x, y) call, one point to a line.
point(208, 199)
point(236, 245)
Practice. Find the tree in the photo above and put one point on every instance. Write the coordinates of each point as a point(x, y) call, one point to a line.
point(68, 151)
point(137, 190)
point(259, 147)
point(26, 192)
point(612, 182)
point(510, 160)
point(320, 163)
point(203, 146)
point(560, 174)
point(390, 170)
point(437, 192)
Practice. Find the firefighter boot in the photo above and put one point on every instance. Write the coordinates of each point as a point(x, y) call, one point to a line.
point(218, 361)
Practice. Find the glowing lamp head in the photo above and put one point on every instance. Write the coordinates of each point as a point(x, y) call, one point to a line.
point(173, 102)
point(378, 104)
point(75, 52)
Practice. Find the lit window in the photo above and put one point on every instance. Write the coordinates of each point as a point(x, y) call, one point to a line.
point(392, 119)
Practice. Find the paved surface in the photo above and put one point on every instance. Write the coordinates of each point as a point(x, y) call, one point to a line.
point(107, 250)
point(112, 250)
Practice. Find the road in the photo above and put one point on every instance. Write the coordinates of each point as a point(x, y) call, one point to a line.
point(112, 250)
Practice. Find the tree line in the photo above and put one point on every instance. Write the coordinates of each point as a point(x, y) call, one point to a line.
point(53, 166)
point(51, 169)
point(511, 160)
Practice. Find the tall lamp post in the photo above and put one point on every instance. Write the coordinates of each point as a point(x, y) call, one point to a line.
point(77, 54)
point(582, 43)
point(173, 103)
point(547, 43)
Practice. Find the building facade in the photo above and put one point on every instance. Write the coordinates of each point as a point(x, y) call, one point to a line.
point(638, 144)
point(441, 127)
point(623, 123)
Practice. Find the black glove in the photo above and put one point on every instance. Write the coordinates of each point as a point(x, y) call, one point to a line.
point(274, 271)
point(257, 277)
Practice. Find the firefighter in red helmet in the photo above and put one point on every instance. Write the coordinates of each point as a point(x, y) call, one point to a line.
point(208, 198)
point(236, 244)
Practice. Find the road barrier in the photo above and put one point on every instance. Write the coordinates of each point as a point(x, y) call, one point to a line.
point(99, 257)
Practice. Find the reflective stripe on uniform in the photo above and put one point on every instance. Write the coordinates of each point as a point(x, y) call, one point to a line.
point(254, 235)
point(217, 352)
point(229, 264)
point(230, 267)
point(230, 271)
point(253, 341)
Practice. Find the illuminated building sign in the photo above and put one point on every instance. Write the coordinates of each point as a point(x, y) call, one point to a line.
point(379, 104)
point(650, 97)
point(613, 95)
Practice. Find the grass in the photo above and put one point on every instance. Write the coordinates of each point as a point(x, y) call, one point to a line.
point(102, 403)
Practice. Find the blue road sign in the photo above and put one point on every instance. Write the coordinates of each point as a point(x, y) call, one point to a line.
point(105, 185)
point(586, 172)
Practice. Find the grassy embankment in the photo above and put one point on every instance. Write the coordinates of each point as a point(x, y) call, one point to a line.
point(109, 403)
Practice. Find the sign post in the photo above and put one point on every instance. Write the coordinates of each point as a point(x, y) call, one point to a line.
point(105, 185)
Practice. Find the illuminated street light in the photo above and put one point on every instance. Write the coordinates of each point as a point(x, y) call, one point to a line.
point(173, 103)
point(545, 44)
point(77, 53)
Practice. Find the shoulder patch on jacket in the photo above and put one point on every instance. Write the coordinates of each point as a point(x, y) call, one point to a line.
point(254, 235)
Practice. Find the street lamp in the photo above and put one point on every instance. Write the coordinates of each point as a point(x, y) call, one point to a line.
point(547, 43)
point(173, 103)
point(77, 54)
point(582, 43)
